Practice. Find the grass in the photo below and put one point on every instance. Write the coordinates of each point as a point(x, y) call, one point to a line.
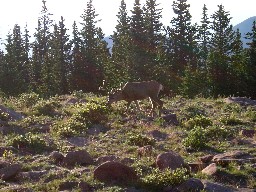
point(207, 126)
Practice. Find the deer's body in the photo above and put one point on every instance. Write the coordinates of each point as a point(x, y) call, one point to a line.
point(134, 91)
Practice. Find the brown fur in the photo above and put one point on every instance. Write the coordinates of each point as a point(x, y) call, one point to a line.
point(134, 91)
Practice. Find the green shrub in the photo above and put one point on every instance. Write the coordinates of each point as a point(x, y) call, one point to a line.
point(28, 99)
point(29, 140)
point(157, 180)
point(84, 116)
point(45, 107)
point(198, 120)
point(196, 139)
point(232, 108)
point(231, 120)
point(219, 132)
point(192, 111)
point(69, 128)
point(251, 114)
point(140, 140)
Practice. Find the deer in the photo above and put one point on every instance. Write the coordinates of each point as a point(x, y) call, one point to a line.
point(134, 91)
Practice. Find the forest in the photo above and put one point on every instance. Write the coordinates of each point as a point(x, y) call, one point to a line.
point(205, 58)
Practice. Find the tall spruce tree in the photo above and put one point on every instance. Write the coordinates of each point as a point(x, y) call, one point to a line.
point(138, 43)
point(121, 56)
point(251, 62)
point(154, 38)
point(15, 69)
point(219, 62)
point(204, 38)
point(91, 36)
point(60, 57)
point(42, 66)
point(77, 60)
point(182, 37)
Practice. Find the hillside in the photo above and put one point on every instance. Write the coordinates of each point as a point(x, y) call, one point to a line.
point(245, 27)
point(76, 143)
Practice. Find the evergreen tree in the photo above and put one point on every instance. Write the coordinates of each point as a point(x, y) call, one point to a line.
point(138, 46)
point(222, 40)
point(15, 69)
point(77, 60)
point(182, 37)
point(42, 66)
point(60, 57)
point(251, 62)
point(118, 71)
point(204, 38)
point(153, 28)
point(91, 36)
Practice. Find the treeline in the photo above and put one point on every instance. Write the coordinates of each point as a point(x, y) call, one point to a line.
point(190, 59)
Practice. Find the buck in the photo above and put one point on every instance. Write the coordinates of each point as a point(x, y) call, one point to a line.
point(134, 91)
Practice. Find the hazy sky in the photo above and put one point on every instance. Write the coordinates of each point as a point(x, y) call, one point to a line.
point(27, 11)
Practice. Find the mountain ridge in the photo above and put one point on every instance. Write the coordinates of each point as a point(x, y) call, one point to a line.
point(245, 27)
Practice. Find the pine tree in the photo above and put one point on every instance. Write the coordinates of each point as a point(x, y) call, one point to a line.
point(154, 38)
point(138, 47)
point(42, 66)
point(77, 60)
point(251, 62)
point(91, 36)
point(182, 37)
point(204, 38)
point(15, 70)
point(118, 71)
point(220, 66)
point(60, 57)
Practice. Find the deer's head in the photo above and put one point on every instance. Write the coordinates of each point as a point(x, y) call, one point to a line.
point(114, 96)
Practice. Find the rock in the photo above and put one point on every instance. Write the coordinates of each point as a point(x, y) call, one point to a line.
point(80, 157)
point(31, 175)
point(216, 187)
point(97, 129)
point(145, 151)
point(247, 133)
point(197, 166)
point(158, 135)
point(231, 156)
point(170, 160)
point(57, 157)
point(210, 169)
point(9, 172)
point(104, 159)
point(206, 158)
point(191, 184)
point(85, 187)
point(127, 161)
point(67, 185)
point(77, 141)
point(115, 173)
point(171, 119)
point(12, 115)
point(6, 130)
point(241, 100)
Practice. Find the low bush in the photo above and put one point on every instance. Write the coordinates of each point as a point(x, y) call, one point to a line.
point(157, 180)
point(198, 120)
point(140, 140)
point(196, 139)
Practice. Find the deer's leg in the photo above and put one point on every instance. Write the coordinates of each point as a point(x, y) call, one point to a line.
point(137, 105)
point(159, 103)
point(128, 105)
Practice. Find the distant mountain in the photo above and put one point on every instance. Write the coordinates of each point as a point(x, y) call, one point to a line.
point(245, 27)
point(110, 42)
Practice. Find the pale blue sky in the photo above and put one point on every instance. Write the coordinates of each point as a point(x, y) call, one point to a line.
point(27, 11)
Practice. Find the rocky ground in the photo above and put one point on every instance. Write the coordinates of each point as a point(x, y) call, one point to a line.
point(75, 143)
